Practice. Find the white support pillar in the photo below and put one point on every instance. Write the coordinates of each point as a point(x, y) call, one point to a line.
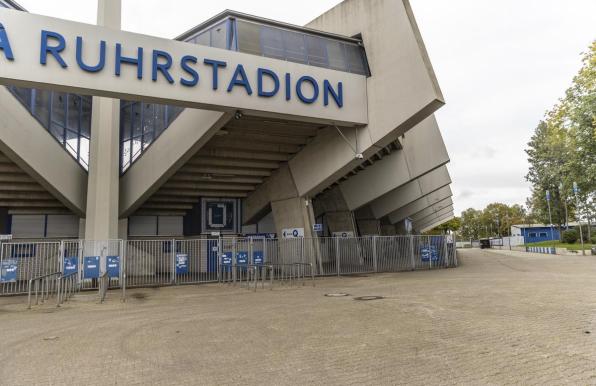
point(104, 150)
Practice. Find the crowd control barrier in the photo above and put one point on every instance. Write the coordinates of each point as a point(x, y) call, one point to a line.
point(72, 265)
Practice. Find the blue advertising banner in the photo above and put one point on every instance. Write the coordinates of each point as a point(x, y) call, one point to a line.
point(181, 263)
point(113, 266)
point(257, 257)
point(242, 258)
point(429, 253)
point(71, 265)
point(226, 259)
point(91, 267)
point(8, 271)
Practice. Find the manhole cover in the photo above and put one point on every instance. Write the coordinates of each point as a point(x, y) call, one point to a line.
point(336, 295)
point(364, 298)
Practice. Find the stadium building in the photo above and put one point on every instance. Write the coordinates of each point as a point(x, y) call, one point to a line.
point(241, 125)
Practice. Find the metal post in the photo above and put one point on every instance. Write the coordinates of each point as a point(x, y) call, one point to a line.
point(124, 250)
point(550, 218)
point(173, 261)
point(375, 262)
point(579, 217)
point(337, 253)
point(412, 253)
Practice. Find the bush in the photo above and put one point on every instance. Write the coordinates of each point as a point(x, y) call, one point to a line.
point(593, 239)
point(570, 236)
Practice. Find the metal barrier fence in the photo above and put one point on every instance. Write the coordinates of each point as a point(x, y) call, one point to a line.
point(106, 264)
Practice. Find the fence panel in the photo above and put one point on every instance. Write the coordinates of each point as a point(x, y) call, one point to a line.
point(99, 256)
point(149, 262)
point(394, 253)
point(22, 261)
point(139, 263)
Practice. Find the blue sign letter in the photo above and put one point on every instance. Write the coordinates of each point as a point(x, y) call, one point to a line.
point(288, 86)
point(273, 75)
point(243, 81)
point(338, 96)
point(315, 87)
point(138, 61)
point(164, 67)
point(102, 56)
point(186, 67)
point(55, 51)
point(5, 44)
point(216, 64)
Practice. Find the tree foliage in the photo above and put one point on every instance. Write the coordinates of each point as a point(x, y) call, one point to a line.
point(563, 150)
point(493, 221)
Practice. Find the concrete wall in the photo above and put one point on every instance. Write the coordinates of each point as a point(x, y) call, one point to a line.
point(422, 203)
point(174, 147)
point(423, 151)
point(33, 149)
point(401, 92)
point(410, 192)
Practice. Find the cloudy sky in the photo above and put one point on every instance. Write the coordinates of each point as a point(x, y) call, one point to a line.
point(501, 65)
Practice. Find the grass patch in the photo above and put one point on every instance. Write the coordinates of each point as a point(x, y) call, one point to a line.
point(572, 247)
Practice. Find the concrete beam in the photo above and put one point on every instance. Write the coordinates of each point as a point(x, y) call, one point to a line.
point(174, 147)
point(423, 151)
point(194, 178)
point(207, 186)
point(224, 142)
point(30, 146)
point(410, 192)
point(401, 91)
point(414, 207)
point(435, 216)
point(433, 209)
point(233, 162)
point(200, 193)
point(244, 154)
point(436, 223)
point(222, 170)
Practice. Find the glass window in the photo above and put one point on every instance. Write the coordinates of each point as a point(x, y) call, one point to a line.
point(249, 37)
point(272, 42)
point(136, 119)
point(542, 234)
point(86, 116)
point(532, 234)
point(84, 152)
point(42, 106)
point(59, 108)
point(295, 46)
point(355, 58)
point(219, 35)
point(317, 52)
point(74, 106)
point(24, 95)
point(336, 56)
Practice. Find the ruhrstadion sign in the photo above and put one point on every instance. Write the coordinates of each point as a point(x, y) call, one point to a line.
point(44, 52)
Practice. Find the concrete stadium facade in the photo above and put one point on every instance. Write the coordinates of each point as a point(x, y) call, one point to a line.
point(241, 125)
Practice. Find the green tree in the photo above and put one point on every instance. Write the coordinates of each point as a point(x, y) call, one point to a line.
point(563, 150)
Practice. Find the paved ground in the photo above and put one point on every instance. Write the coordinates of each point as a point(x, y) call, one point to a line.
point(501, 318)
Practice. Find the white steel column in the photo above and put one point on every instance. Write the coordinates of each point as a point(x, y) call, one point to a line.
point(104, 150)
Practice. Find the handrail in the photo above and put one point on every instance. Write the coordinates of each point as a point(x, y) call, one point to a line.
point(103, 284)
point(65, 291)
point(37, 280)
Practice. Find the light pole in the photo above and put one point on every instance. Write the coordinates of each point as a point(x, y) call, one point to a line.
point(565, 203)
point(579, 218)
point(550, 217)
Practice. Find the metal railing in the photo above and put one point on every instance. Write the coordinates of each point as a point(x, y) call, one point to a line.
point(104, 283)
point(43, 286)
point(68, 285)
point(109, 264)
